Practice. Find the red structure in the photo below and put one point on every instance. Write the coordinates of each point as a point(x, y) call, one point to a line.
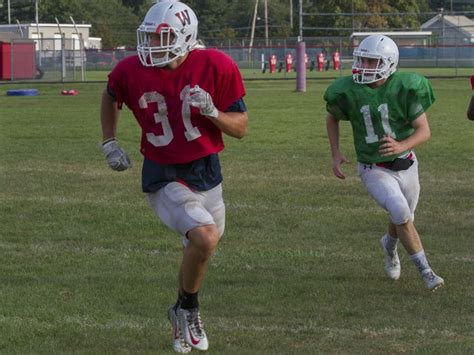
point(273, 62)
point(336, 60)
point(289, 62)
point(24, 60)
point(321, 61)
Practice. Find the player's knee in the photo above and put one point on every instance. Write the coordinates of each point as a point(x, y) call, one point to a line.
point(204, 239)
point(399, 211)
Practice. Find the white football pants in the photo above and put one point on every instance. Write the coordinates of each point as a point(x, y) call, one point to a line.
point(395, 191)
point(182, 209)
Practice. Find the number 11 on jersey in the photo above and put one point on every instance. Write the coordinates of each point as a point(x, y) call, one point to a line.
point(371, 137)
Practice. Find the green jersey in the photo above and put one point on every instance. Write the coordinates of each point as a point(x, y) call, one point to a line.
point(386, 110)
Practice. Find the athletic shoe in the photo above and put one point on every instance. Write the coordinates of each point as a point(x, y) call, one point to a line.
point(432, 281)
point(392, 262)
point(179, 345)
point(192, 328)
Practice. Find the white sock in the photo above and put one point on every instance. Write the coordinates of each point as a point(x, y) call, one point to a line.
point(420, 261)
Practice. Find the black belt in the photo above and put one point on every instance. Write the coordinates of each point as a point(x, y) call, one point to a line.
point(397, 164)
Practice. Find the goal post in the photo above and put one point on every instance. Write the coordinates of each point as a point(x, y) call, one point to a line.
point(300, 55)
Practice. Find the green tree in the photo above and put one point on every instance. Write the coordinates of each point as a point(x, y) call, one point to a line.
point(136, 5)
point(368, 14)
point(110, 20)
point(21, 10)
point(116, 20)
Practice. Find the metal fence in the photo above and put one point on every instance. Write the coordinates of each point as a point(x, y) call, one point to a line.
point(61, 59)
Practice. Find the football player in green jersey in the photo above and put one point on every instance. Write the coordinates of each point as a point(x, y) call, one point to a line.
point(387, 111)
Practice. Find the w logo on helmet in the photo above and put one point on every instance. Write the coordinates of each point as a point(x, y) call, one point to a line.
point(183, 16)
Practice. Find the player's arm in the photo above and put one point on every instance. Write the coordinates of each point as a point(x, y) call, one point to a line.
point(116, 157)
point(332, 127)
point(109, 115)
point(470, 110)
point(232, 123)
point(390, 146)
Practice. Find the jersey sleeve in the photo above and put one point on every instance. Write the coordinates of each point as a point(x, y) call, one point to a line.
point(420, 97)
point(230, 87)
point(335, 102)
point(116, 84)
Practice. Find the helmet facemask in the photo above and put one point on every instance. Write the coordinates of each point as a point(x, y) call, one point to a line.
point(160, 55)
point(363, 75)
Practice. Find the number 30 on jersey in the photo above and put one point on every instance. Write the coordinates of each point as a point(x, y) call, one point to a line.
point(161, 117)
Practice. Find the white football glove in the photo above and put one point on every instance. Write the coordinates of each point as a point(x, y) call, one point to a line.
point(116, 157)
point(203, 101)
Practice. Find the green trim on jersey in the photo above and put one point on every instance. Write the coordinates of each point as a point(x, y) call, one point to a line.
point(387, 110)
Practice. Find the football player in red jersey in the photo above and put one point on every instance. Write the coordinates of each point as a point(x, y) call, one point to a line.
point(184, 97)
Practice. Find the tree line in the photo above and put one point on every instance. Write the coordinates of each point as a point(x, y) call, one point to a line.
point(115, 21)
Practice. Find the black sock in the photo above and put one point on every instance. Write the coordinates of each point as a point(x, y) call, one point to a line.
point(178, 301)
point(189, 300)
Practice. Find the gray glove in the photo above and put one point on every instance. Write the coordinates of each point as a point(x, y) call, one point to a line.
point(116, 157)
point(203, 101)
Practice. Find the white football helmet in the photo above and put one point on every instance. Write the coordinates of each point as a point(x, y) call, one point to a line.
point(175, 24)
point(378, 47)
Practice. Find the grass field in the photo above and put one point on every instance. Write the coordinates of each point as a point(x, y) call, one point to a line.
point(87, 268)
point(251, 74)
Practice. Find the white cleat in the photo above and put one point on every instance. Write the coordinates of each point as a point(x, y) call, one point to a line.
point(192, 328)
point(392, 262)
point(432, 281)
point(179, 345)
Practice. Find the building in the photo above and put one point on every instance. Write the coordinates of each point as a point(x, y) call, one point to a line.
point(402, 39)
point(450, 30)
point(50, 35)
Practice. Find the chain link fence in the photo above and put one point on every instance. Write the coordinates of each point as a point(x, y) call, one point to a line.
point(65, 60)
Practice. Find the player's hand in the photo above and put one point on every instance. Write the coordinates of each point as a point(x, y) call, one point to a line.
point(389, 147)
point(116, 157)
point(337, 162)
point(203, 101)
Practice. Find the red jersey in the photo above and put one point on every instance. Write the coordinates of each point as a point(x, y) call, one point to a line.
point(173, 132)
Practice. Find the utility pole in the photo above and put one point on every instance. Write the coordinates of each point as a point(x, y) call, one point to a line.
point(300, 56)
point(9, 14)
point(252, 33)
point(39, 39)
point(36, 11)
point(301, 20)
point(291, 14)
point(352, 17)
point(266, 22)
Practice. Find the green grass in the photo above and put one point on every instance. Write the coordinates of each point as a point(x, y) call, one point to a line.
point(251, 74)
point(87, 268)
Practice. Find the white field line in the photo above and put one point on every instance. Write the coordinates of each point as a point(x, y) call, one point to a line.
point(232, 326)
point(64, 200)
point(48, 248)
